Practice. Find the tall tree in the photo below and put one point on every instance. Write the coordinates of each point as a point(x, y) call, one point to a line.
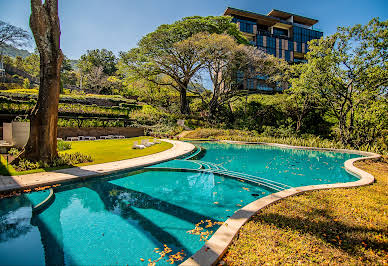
point(12, 35)
point(44, 23)
point(157, 53)
point(348, 72)
point(98, 58)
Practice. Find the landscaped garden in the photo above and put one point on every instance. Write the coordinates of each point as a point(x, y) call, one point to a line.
point(228, 100)
point(99, 151)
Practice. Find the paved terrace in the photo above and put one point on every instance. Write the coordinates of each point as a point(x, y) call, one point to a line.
point(9, 183)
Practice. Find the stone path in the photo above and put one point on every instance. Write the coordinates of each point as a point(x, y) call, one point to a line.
point(9, 183)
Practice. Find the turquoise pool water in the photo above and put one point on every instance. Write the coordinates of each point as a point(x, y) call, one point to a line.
point(121, 218)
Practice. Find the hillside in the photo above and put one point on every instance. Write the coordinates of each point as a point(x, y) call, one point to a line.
point(12, 51)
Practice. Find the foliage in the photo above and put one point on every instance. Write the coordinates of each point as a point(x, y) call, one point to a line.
point(31, 64)
point(336, 226)
point(160, 53)
point(64, 159)
point(12, 35)
point(63, 146)
point(13, 151)
point(148, 115)
point(98, 58)
point(347, 73)
point(283, 138)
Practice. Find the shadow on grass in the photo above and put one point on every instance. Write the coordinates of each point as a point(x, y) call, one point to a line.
point(319, 223)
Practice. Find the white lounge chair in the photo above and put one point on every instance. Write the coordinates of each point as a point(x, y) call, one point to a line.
point(137, 146)
point(72, 138)
point(157, 141)
point(146, 143)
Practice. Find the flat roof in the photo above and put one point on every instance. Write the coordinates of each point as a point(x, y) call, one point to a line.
point(272, 17)
point(297, 18)
point(263, 19)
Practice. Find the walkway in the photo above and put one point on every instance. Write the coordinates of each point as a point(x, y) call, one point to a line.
point(9, 183)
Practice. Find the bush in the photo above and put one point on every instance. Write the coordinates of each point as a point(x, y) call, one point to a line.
point(306, 140)
point(66, 159)
point(13, 151)
point(63, 146)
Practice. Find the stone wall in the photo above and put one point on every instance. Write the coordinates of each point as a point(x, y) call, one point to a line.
point(64, 132)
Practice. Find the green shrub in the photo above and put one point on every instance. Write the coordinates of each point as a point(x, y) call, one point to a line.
point(66, 159)
point(306, 140)
point(63, 146)
point(13, 151)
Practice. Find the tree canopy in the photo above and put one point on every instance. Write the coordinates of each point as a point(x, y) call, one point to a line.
point(12, 35)
point(158, 53)
point(347, 73)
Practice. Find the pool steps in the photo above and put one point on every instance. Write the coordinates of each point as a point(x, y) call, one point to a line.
point(39, 208)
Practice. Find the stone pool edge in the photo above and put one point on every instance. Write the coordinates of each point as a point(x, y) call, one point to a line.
point(216, 246)
point(28, 181)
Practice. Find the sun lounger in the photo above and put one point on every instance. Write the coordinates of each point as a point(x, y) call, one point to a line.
point(81, 137)
point(105, 137)
point(137, 146)
point(90, 138)
point(146, 143)
point(157, 141)
point(72, 138)
point(121, 137)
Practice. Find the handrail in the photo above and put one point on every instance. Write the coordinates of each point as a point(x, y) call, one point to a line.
point(45, 203)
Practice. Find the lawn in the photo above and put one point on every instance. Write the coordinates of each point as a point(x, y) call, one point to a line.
point(102, 151)
point(338, 226)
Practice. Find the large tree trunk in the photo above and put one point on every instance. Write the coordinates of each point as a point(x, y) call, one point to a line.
point(44, 23)
point(183, 99)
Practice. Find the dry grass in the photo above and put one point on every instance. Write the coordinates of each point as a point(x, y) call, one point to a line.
point(338, 226)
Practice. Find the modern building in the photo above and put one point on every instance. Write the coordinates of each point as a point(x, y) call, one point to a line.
point(282, 34)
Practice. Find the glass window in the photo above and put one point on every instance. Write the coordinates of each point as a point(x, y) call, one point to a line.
point(287, 56)
point(280, 32)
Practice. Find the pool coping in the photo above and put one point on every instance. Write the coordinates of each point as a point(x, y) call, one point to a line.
point(28, 181)
point(216, 246)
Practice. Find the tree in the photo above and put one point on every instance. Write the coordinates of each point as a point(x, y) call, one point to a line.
point(98, 58)
point(158, 53)
point(96, 79)
point(32, 64)
point(301, 98)
point(44, 23)
point(348, 72)
point(12, 35)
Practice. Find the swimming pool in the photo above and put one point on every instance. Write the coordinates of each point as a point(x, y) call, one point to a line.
point(122, 218)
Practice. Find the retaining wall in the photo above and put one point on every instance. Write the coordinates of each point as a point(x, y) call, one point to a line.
point(64, 132)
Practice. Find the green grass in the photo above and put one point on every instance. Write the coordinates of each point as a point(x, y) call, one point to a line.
point(102, 151)
point(337, 226)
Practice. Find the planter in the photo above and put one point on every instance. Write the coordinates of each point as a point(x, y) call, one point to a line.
point(20, 133)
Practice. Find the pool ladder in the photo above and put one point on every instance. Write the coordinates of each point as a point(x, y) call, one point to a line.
point(219, 169)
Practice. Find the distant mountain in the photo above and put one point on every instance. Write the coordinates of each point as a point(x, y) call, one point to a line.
point(12, 51)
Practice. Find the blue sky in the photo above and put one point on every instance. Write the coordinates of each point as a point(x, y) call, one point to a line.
point(118, 24)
